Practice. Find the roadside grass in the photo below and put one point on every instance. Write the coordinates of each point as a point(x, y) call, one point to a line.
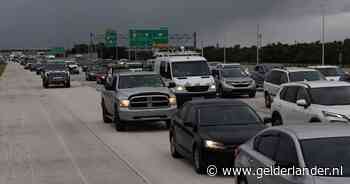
point(2, 69)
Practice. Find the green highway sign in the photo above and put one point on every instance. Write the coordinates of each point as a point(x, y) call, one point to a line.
point(111, 38)
point(57, 50)
point(147, 38)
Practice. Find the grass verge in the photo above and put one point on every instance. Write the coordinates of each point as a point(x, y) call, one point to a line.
point(2, 69)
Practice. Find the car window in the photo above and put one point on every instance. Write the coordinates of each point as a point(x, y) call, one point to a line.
point(286, 151)
point(276, 77)
point(283, 92)
point(284, 78)
point(303, 95)
point(291, 94)
point(266, 144)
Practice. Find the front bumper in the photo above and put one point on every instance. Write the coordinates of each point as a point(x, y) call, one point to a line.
point(140, 115)
point(239, 90)
point(218, 157)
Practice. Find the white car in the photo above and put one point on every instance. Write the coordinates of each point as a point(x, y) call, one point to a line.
point(276, 77)
point(332, 73)
point(312, 102)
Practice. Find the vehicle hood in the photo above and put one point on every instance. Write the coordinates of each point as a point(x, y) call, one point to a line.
point(194, 81)
point(332, 180)
point(230, 135)
point(135, 91)
point(238, 79)
point(339, 109)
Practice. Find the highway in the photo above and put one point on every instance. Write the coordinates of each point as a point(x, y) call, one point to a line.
point(57, 135)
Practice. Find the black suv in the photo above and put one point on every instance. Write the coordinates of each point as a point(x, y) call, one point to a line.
point(55, 74)
point(208, 132)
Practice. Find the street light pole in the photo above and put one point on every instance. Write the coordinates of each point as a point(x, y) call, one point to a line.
point(258, 44)
point(323, 34)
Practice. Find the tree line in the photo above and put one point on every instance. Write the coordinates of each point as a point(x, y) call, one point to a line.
point(336, 53)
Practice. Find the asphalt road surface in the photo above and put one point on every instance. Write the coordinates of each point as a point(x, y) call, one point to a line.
point(57, 136)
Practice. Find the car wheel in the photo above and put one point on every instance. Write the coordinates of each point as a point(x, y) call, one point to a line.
point(68, 84)
point(277, 120)
point(104, 114)
point(241, 180)
point(119, 125)
point(173, 151)
point(268, 100)
point(197, 160)
point(167, 123)
point(252, 94)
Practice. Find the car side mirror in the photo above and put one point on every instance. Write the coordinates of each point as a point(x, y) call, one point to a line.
point(171, 85)
point(302, 103)
point(267, 120)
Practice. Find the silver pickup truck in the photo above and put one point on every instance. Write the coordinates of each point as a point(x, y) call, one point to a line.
point(136, 97)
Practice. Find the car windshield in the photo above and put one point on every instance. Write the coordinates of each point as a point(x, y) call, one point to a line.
point(331, 72)
point(227, 115)
point(190, 68)
point(233, 73)
point(136, 81)
point(305, 76)
point(55, 67)
point(336, 154)
point(340, 95)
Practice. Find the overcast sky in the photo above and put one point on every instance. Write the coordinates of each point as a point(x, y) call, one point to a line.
point(46, 23)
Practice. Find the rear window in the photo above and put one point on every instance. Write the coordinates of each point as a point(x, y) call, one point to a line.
point(227, 115)
point(305, 76)
point(340, 95)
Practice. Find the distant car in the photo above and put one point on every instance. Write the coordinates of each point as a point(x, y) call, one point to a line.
point(260, 72)
point(233, 79)
point(55, 74)
point(207, 132)
point(332, 73)
point(276, 77)
point(136, 98)
point(312, 102)
point(72, 67)
point(298, 147)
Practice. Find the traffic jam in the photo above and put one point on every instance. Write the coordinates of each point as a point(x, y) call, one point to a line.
point(206, 109)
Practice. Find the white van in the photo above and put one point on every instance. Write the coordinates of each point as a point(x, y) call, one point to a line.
point(187, 74)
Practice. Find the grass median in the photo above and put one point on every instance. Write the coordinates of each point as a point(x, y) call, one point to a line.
point(2, 69)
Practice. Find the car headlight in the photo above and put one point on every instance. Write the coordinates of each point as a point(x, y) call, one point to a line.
point(124, 103)
point(214, 145)
point(172, 100)
point(213, 86)
point(335, 117)
point(180, 88)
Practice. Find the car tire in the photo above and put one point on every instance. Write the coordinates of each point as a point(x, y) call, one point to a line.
point(252, 94)
point(168, 124)
point(118, 124)
point(197, 160)
point(173, 150)
point(277, 120)
point(104, 114)
point(68, 84)
point(268, 100)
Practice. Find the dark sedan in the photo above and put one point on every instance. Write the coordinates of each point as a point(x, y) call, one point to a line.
point(208, 131)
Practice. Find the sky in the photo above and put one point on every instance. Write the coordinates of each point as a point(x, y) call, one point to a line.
point(47, 23)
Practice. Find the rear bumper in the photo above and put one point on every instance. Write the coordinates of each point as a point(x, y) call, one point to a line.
point(146, 114)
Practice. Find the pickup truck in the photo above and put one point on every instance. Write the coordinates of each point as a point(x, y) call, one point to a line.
point(136, 97)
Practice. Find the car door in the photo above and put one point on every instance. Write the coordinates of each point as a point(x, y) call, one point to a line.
point(180, 130)
point(287, 106)
point(274, 83)
point(286, 157)
point(304, 113)
point(109, 93)
point(264, 147)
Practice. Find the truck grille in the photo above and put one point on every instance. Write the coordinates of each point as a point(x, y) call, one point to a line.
point(149, 102)
point(197, 88)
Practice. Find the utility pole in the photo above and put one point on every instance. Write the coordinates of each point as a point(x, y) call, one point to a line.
point(323, 34)
point(225, 52)
point(202, 48)
point(258, 42)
